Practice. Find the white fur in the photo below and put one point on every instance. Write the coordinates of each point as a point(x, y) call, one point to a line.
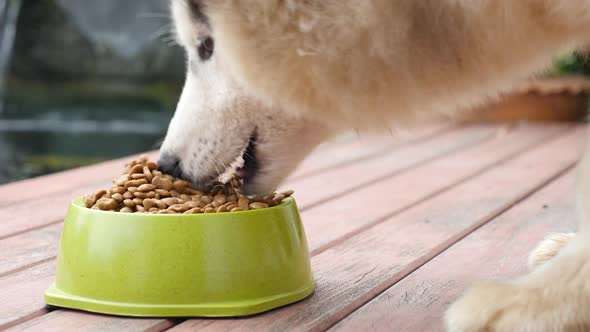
point(215, 118)
point(300, 71)
point(548, 248)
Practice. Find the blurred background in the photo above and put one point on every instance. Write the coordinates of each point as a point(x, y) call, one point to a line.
point(84, 81)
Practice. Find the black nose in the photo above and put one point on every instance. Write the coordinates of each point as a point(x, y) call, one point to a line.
point(170, 164)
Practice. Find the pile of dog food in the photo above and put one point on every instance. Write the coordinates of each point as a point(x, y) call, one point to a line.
point(145, 189)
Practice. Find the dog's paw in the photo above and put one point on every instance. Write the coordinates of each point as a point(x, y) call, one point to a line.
point(548, 248)
point(485, 307)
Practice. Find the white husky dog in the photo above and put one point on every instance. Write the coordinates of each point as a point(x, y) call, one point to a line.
point(271, 79)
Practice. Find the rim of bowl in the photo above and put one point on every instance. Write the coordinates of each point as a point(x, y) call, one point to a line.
point(79, 203)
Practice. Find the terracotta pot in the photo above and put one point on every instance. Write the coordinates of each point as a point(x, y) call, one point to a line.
point(562, 99)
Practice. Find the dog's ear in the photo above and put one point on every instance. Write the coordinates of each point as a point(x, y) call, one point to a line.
point(190, 22)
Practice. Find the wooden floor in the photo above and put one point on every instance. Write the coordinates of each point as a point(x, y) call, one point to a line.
point(397, 228)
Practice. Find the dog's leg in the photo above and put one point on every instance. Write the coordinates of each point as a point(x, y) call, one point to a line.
point(555, 296)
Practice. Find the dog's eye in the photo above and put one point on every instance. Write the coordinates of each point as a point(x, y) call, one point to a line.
point(206, 49)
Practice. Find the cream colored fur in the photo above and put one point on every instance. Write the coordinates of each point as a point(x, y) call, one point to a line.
point(298, 72)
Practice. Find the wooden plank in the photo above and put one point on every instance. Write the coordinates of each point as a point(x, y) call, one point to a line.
point(316, 190)
point(356, 270)
point(28, 249)
point(58, 321)
point(19, 218)
point(498, 250)
point(62, 181)
point(329, 156)
point(569, 140)
point(21, 294)
point(353, 212)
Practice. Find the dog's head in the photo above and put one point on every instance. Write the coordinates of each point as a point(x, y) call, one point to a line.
point(217, 123)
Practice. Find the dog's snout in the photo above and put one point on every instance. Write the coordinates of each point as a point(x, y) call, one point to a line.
point(170, 164)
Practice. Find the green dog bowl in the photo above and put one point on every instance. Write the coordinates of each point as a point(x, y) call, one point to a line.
point(214, 265)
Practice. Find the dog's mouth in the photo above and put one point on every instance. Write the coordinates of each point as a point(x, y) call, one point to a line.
point(250, 164)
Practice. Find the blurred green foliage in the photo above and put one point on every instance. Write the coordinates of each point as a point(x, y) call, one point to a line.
point(572, 63)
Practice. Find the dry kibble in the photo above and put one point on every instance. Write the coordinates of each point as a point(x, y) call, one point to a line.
point(118, 190)
point(258, 205)
point(163, 193)
point(161, 205)
point(137, 176)
point(244, 203)
point(193, 210)
point(278, 198)
point(91, 199)
point(145, 189)
point(120, 181)
point(220, 198)
point(170, 201)
point(151, 165)
point(136, 169)
point(177, 208)
point(191, 191)
point(142, 158)
point(117, 197)
point(126, 209)
point(161, 182)
point(191, 204)
point(149, 203)
point(147, 173)
point(130, 164)
point(206, 199)
point(135, 183)
point(142, 195)
point(180, 185)
point(106, 204)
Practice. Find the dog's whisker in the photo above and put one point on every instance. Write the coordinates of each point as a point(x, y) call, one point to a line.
point(153, 15)
point(158, 143)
